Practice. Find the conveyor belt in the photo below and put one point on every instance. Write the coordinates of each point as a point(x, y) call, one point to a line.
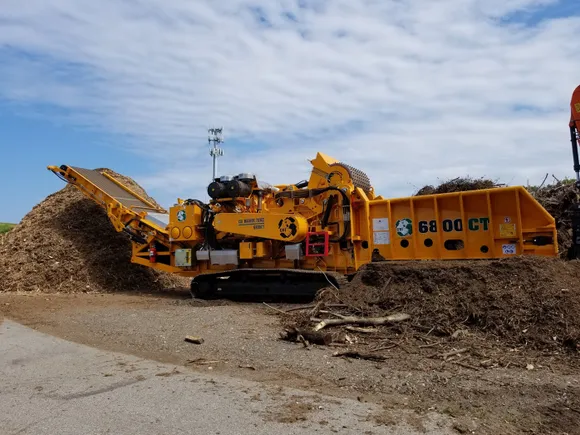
point(114, 190)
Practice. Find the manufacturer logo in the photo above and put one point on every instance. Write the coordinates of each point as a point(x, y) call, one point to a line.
point(404, 227)
point(181, 215)
point(287, 227)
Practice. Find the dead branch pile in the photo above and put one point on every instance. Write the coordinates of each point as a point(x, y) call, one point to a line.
point(311, 334)
point(67, 244)
point(557, 199)
point(524, 301)
point(459, 184)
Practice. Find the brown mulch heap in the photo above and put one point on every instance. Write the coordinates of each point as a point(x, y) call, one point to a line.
point(67, 244)
point(460, 184)
point(557, 199)
point(522, 301)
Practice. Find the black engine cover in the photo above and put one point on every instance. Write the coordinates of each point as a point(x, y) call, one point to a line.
point(216, 190)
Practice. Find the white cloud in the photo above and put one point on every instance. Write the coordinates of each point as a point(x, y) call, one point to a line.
point(407, 91)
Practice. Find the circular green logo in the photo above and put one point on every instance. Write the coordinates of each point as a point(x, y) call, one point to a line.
point(404, 227)
point(181, 215)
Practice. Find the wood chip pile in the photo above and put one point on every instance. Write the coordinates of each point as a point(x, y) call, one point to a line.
point(67, 244)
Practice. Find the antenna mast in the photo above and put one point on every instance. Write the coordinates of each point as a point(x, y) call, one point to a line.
point(214, 135)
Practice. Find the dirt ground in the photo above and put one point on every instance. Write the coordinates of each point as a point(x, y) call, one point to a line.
point(534, 392)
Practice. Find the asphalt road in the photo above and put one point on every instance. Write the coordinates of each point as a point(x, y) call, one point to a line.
point(52, 386)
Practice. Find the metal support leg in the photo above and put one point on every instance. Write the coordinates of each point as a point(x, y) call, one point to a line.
point(574, 251)
point(574, 141)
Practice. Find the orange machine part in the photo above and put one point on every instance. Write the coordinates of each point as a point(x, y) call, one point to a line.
point(575, 106)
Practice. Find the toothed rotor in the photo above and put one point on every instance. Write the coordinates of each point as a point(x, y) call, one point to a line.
point(358, 177)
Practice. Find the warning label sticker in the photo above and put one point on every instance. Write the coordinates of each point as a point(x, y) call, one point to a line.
point(507, 230)
point(382, 237)
point(381, 224)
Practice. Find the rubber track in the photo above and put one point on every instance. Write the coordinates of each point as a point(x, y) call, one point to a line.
point(332, 278)
point(338, 277)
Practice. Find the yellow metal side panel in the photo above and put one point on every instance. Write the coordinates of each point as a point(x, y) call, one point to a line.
point(183, 220)
point(246, 251)
point(361, 227)
point(426, 222)
point(505, 217)
point(536, 221)
point(491, 223)
point(403, 229)
point(380, 228)
point(262, 249)
point(450, 225)
point(533, 215)
point(479, 238)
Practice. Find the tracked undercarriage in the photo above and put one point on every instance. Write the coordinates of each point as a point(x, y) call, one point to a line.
point(264, 282)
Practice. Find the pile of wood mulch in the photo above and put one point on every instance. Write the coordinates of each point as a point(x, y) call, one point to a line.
point(67, 244)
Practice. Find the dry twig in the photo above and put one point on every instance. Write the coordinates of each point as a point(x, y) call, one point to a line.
point(331, 313)
point(545, 178)
point(467, 366)
point(360, 355)
point(393, 318)
point(309, 307)
point(295, 334)
point(453, 353)
point(274, 308)
point(361, 330)
point(386, 347)
point(202, 361)
point(194, 340)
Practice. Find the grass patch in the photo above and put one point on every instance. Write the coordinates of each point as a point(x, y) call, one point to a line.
point(4, 228)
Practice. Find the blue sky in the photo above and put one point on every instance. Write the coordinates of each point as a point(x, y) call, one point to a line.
point(411, 93)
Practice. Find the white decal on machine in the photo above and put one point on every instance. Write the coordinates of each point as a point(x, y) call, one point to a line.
point(509, 249)
point(381, 224)
point(382, 238)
